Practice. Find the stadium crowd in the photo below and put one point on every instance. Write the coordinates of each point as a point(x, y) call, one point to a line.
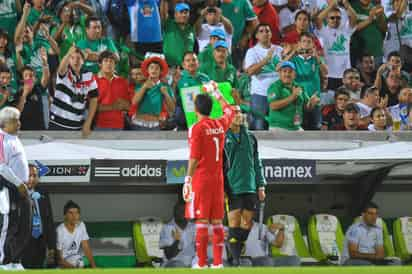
point(292, 65)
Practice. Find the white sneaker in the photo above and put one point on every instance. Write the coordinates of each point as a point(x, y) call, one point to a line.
point(197, 266)
point(216, 266)
point(12, 267)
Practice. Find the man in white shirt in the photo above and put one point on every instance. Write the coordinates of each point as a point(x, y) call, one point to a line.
point(71, 236)
point(178, 239)
point(335, 37)
point(260, 63)
point(257, 248)
point(15, 209)
point(369, 100)
point(211, 19)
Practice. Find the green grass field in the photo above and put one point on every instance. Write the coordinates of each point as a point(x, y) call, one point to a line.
point(277, 270)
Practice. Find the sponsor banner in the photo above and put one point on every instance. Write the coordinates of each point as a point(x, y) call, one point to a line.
point(68, 171)
point(282, 170)
point(275, 171)
point(128, 171)
point(176, 172)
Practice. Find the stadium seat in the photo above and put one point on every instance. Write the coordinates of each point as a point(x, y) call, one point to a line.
point(146, 235)
point(402, 238)
point(112, 244)
point(387, 241)
point(324, 231)
point(294, 243)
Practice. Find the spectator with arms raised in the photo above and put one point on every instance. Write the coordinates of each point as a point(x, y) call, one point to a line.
point(336, 39)
point(215, 21)
point(74, 89)
point(179, 35)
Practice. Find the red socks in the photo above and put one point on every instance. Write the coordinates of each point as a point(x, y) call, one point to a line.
point(218, 244)
point(202, 238)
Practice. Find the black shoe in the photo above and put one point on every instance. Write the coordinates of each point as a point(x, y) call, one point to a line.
point(235, 262)
point(235, 250)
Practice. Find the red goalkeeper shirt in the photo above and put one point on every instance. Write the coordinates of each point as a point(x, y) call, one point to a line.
point(206, 142)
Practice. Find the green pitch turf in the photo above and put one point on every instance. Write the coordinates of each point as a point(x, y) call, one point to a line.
point(277, 270)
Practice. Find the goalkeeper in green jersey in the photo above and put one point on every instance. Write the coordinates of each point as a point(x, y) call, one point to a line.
point(244, 182)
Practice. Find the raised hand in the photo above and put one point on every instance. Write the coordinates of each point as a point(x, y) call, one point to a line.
point(26, 8)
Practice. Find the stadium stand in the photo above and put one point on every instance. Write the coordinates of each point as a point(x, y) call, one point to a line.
point(53, 84)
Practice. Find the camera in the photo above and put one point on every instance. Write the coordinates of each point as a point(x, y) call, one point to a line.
point(211, 10)
point(305, 51)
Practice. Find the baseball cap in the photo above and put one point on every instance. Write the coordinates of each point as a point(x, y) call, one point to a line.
point(287, 64)
point(352, 107)
point(181, 7)
point(219, 33)
point(220, 44)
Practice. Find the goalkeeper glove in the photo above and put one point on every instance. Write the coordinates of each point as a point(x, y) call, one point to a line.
point(212, 88)
point(187, 189)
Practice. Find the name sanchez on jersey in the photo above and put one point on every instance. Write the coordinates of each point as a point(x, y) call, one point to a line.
point(215, 131)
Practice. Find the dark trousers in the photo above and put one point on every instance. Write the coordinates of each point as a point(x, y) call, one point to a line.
point(34, 254)
point(19, 224)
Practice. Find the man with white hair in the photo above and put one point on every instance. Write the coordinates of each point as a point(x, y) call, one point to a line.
point(15, 209)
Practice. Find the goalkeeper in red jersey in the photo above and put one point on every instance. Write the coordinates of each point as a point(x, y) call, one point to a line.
point(203, 190)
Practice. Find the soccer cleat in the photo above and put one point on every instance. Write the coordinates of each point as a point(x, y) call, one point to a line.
point(196, 266)
point(216, 266)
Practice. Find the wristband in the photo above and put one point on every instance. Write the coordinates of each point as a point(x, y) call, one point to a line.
point(188, 179)
point(261, 188)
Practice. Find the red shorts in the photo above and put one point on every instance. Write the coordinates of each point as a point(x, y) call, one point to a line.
point(207, 203)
